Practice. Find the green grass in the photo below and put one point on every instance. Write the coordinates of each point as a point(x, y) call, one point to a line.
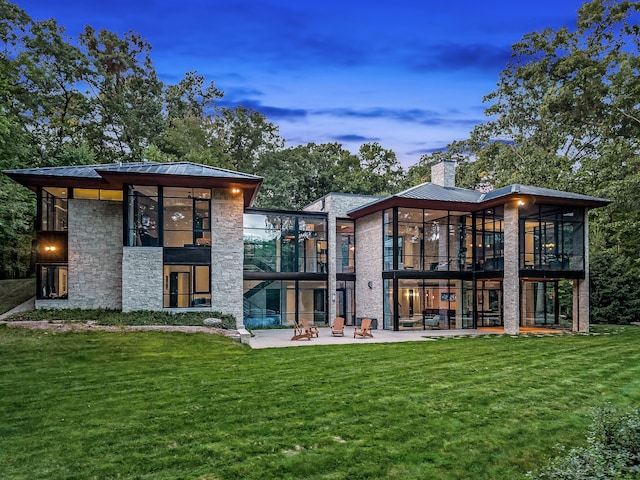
point(157, 405)
point(15, 292)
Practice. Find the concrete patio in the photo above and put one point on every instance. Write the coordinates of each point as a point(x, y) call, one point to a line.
point(277, 338)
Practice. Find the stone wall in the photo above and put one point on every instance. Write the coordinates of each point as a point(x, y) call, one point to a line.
point(511, 283)
point(142, 274)
point(369, 300)
point(95, 254)
point(227, 253)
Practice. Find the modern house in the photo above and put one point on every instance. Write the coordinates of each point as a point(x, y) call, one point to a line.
point(183, 236)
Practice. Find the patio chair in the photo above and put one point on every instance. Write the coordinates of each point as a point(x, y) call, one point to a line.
point(313, 330)
point(365, 328)
point(299, 332)
point(338, 326)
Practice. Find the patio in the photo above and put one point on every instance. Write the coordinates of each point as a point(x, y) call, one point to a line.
point(278, 338)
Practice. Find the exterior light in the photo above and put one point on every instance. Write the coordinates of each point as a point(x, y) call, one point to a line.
point(235, 191)
point(520, 203)
point(50, 248)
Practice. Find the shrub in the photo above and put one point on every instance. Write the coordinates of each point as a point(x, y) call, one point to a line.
point(612, 451)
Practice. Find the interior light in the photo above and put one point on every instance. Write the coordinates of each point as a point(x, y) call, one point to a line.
point(520, 203)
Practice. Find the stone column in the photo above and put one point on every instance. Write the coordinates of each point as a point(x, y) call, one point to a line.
point(511, 283)
point(227, 253)
point(581, 289)
point(369, 284)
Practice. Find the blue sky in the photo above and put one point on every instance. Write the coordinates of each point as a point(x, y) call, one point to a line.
point(409, 74)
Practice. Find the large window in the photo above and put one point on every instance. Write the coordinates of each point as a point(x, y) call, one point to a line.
point(52, 281)
point(52, 248)
point(345, 247)
point(187, 217)
point(142, 205)
point(53, 209)
point(187, 286)
point(275, 242)
point(551, 238)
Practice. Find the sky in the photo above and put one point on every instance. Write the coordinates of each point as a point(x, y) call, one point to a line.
point(408, 74)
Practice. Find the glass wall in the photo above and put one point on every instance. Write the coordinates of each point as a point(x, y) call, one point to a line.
point(490, 239)
point(430, 240)
point(280, 302)
point(489, 303)
point(274, 242)
point(345, 246)
point(551, 238)
point(434, 304)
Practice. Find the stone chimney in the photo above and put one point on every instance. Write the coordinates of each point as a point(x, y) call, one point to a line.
point(443, 173)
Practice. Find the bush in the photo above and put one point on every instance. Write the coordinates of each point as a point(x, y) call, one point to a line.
point(612, 451)
point(116, 317)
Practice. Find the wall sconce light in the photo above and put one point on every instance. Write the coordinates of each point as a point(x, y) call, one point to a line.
point(520, 203)
point(50, 248)
point(235, 190)
point(333, 297)
point(370, 284)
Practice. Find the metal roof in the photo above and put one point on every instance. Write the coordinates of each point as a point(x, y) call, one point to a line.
point(430, 195)
point(114, 176)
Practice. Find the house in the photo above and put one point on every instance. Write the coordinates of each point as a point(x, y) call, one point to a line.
point(182, 236)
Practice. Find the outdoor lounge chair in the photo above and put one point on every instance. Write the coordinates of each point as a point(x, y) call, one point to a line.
point(365, 329)
point(313, 330)
point(299, 332)
point(338, 326)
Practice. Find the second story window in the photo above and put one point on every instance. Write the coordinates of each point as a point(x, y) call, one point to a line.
point(186, 214)
point(53, 210)
point(142, 213)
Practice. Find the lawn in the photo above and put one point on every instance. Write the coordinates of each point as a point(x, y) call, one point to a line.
point(157, 405)
point(14, 292)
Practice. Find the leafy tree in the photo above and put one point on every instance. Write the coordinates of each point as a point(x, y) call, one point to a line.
point(125, 92)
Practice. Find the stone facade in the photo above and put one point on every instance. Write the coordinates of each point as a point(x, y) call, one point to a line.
point(142, 278)
point(369, 299)
point(227, 253)
point(511, 282)
point(95, 254)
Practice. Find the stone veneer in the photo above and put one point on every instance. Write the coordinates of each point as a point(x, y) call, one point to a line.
point(369, 300)
point(227, 253)
point(95, 254)
point(511, 282)
point(336, 205)
point(142, 273)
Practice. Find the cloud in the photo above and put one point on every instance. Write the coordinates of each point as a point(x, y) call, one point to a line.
point(455, 56)
point(352, 137)
point(271, 112)
point(417, 116)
